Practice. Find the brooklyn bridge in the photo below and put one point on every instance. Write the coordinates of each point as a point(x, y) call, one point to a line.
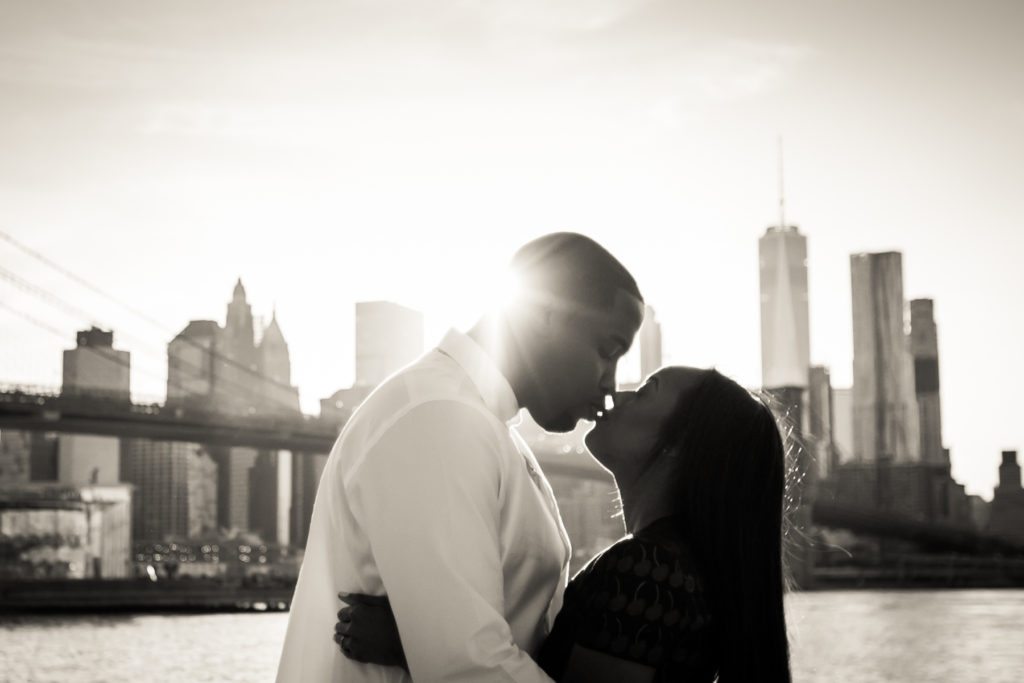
point(44, 409)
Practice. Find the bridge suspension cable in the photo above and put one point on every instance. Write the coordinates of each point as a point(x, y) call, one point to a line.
point(228, 360)
point(57, 302)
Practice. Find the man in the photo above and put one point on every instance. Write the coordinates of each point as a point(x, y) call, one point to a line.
point(430, 498)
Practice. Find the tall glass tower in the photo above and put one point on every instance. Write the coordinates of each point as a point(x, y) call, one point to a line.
point(785, 331)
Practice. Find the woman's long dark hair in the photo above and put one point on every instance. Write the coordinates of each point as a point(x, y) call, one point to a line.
point(731, 483)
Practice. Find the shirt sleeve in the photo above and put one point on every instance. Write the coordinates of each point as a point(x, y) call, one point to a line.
point(427, 495)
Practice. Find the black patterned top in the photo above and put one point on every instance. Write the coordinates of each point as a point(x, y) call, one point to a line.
point(643, 600)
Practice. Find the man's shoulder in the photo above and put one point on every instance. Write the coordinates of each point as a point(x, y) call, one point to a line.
point(433, 379)
point(431, 391)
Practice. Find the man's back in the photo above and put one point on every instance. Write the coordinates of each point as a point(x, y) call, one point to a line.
point(429, 498)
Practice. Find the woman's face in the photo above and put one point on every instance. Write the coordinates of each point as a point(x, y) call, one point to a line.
point(625, 440)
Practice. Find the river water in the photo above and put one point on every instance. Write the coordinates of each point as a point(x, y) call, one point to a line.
point(862, 636)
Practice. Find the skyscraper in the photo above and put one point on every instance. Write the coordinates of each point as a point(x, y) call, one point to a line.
point(236, 367)
point(275, 369)
point(306, 472)
point(924, 347)
point(820, 423)
point(885, 419)
point(94, 369)
point(270, 496)
point(175, 489)
point(238, 389)
point(785, 331)
point(388, 337)
point(1006, 517)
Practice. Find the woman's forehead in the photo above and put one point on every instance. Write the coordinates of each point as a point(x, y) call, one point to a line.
point(678, 378)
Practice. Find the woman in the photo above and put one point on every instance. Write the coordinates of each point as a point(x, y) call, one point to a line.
point(695, 590)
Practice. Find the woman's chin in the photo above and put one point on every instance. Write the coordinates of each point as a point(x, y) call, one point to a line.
point(594, 443)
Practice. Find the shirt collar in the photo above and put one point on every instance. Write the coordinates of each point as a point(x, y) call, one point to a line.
point(493, 386)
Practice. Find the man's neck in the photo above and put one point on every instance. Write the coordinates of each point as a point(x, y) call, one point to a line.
point(491, 334)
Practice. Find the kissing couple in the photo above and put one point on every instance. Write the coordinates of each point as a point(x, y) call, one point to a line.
point(438, 530)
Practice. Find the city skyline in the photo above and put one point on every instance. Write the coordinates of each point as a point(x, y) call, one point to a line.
point(404, 155)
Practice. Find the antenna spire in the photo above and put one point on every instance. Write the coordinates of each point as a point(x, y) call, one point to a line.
point(782, 190)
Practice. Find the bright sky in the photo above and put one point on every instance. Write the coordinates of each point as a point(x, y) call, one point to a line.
point(329, 152)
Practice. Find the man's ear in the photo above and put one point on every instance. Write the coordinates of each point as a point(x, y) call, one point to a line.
point(542, 320)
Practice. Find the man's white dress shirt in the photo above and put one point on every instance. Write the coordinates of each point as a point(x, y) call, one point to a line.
point(431, 498)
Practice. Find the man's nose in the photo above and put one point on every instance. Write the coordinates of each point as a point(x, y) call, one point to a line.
point(620, 398)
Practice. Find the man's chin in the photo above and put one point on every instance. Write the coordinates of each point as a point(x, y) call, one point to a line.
point(560, 425)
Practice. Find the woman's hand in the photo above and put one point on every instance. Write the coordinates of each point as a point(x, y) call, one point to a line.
point(366, 630)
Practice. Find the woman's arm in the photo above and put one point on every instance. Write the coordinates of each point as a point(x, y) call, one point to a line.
point(590, 666)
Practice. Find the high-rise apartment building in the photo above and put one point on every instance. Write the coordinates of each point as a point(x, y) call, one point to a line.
point(175, 489)
point(885, 417)
point(388, 337)
point(1006, 515)
point(93, 369)
point(819, 421)
point(924, 347)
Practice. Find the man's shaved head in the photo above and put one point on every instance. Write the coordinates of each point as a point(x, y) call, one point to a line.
point(571, 269)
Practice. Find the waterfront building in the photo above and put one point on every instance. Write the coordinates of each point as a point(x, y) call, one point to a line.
point(885, 416)
point(842, 423)
point(922, 491)
point(388, 337)
point(980, 510)
point(56, 530)
point(175, 489)
point(225, 369)
point(28, 456)
point(924, 348)
point(94, 369)
point(306, 472)
point(819, 421)
point(1006, 514)
point(15, 456)
point(270, 498)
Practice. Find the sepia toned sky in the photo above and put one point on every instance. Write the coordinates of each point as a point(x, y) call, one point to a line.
point(329, 152)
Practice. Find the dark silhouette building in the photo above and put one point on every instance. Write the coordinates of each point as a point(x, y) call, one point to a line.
point(1006, 516)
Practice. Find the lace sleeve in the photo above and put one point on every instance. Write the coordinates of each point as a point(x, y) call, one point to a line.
point(645, 603)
